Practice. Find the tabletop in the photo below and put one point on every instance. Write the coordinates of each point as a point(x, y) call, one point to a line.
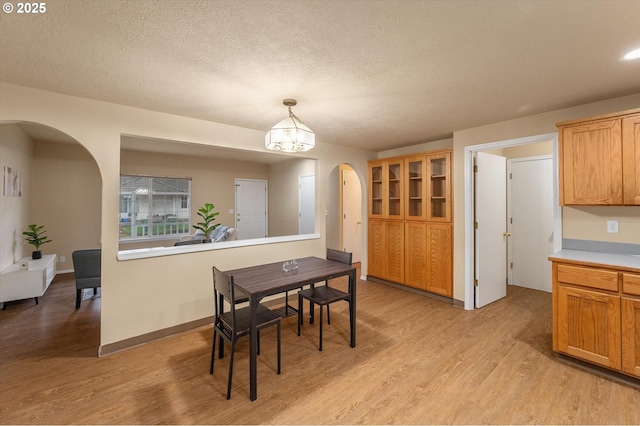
point(262, 280)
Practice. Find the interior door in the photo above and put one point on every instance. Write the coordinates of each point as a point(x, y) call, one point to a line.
point(491, 226)
point(531, 222)
point(307, 204)
point(351, 214)
point(251, 208)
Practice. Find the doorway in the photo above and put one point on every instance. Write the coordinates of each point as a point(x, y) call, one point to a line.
point(351, 212)
point(251, 208)
point(469, 155)
point(530, 221)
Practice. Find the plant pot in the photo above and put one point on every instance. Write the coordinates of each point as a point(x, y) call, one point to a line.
point(36, 254)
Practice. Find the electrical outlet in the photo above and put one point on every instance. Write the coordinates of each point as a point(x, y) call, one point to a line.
point(612, 226)
point(62, 259)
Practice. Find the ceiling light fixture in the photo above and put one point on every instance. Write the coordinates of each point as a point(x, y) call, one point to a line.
point(290, 134)
point(634, 54)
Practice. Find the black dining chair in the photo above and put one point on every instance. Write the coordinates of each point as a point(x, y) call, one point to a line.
point(236, 322)
point(87, 268)
point(324, 295)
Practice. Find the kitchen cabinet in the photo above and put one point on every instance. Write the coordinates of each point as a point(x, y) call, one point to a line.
point(596, 315)
point(599, 160)
point(413, 246)
point(630, 305)
point(631, 159)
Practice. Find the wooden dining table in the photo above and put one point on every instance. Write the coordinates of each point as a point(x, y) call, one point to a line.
point(261, 281)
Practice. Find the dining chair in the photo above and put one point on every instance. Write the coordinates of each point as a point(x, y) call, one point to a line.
point(324, 295)
point(236, 322)
point(87, 271)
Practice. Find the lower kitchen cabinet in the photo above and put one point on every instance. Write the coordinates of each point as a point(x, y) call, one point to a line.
point(596, 315)
point(631, 324)
point(589, 325)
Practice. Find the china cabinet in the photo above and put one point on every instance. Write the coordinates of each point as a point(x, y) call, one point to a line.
point(410, 230)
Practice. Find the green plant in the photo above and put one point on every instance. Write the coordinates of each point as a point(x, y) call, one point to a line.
point(208, 217)
point(35, 235)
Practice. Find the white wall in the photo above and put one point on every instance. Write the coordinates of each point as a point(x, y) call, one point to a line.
point(15, 151)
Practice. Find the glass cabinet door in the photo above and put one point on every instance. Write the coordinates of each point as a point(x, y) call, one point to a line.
point(416, 197)
point(375, 200)
point(394, 181)
point(439, 167)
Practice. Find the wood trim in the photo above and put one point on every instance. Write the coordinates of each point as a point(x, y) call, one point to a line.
point(111, 348)
point(620, 114)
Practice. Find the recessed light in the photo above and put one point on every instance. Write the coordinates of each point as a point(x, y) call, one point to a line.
point(630, 56)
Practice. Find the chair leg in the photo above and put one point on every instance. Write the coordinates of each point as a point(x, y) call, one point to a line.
point(278, 325)
point(78, 298)
point(213, 350)
point(300, 309)
point(221, 349)
point(320, 343)
point(233, 349)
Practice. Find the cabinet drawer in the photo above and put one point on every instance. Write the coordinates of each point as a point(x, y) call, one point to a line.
point(631, 284)
point(588, 277)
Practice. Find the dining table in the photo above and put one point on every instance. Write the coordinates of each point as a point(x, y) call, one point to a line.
point(260, 281)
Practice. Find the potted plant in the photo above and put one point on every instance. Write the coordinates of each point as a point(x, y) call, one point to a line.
point(35, 235)
point(208, 217)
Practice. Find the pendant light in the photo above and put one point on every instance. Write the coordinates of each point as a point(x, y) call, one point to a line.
point(290, 134)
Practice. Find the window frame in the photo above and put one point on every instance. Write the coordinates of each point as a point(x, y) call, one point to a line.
point(128, 208)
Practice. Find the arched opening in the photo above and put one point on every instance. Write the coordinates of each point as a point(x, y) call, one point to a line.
point(62, 191)
point(346, 210)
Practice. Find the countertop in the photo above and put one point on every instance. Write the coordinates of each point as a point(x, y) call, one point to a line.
point(592, 258)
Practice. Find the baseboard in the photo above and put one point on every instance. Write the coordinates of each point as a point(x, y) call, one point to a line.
point(111, 348)
point(600, 371)
point(132, 342)
point(413, 290)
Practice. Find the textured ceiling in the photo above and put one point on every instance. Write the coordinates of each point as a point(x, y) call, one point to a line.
point(369, 74)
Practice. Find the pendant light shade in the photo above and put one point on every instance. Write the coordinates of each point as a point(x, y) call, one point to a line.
point(290, 134)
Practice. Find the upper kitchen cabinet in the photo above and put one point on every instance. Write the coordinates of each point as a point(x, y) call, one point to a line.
point(599, 160)
point(386, 189)
point(631, 159)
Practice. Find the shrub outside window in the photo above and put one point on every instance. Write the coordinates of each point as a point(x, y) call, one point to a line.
point(153, 207)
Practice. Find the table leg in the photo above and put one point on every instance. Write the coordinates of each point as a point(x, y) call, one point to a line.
point(253, 349)
point(352, 306)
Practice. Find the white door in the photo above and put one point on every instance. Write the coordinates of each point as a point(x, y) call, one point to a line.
point(531, 222)
point(351, 214)
point(491, 229)
point(307, 204)
point(251, 208)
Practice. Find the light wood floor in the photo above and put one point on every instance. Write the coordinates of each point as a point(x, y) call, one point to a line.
point(417, 361)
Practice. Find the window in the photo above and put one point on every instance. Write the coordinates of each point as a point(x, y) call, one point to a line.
point(154, 206)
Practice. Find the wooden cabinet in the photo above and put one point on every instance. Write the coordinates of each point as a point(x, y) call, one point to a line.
point(631, 159)
point(428, 187)
point(412, 244)
point(386, 249)
point(596, 315)
point(599, 159)
point(386, 189)
point(630, 306)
